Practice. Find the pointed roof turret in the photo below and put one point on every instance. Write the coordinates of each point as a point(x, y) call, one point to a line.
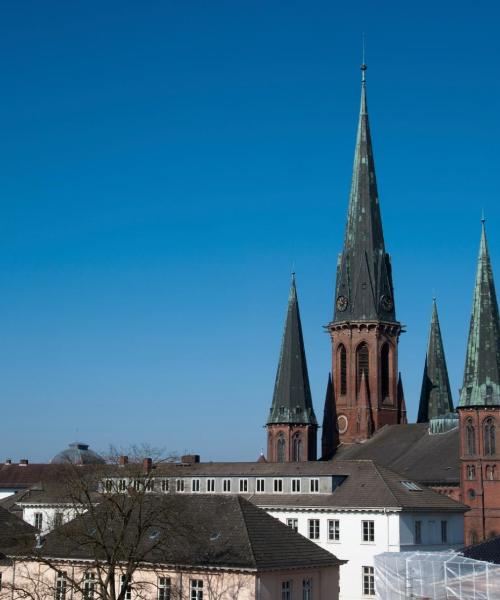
point(481, 385)
point(330, 434)
point(364, 288)
point(435, 395)
point(292, 401)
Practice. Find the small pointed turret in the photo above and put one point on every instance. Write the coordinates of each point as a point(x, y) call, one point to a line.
point(292, 402)
point(364, 288)
point(291, 425)
point(481, 386)
point(435, 395)
point(402, 417)
point(330, 435)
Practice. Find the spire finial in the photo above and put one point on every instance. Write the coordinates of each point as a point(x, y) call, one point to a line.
point(363, 64)
point(483, 218)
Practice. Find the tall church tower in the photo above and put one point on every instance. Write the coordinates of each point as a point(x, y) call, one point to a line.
point(364, 330)
point(479, 408)
point(291, 425)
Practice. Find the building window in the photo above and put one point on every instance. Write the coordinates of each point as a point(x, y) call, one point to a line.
point(226, 485)
point(261, 485)
point(470, 438)
point(210, 485)
point(122, 485)
point(297, 448)
point(368, 581)
point(243, 485)
point(136, 485)
point(88, 586)
point(368, 531)
point(490, 472)
point(384, 371)
point(278, 485)
point(418, 532)
point(196, 589)
point(307, 589)
point(343, 369)
point(195, 485)
point(362, 363)
point(471, 472)
point(164, 588)
point(164, 485)
point(0, 581)
point(489, 437)
point(286, 590)
point(334, 530)
point(127, 586)
point(60, 586)
point(314, 529)
point(444, 532)
point(58, 519)
point(108, 485)
point(38, 520)
point(293, 523)
point(180, 485)
point(281, 448)
point(296, 486)
point(149, 485)
point(314, 485)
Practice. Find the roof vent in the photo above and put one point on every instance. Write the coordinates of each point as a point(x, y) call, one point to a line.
point(23, 462)
point(8, 461)
point(190, 459)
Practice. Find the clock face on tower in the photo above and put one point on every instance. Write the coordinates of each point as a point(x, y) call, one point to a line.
point(342, 423)
point(342, 303)
point(386, 303)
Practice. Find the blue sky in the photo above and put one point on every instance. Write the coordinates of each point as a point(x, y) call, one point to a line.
point(163, 166)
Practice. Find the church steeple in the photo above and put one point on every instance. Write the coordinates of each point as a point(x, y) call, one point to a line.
point(364, 289)
point(481, 385)
point(364, 330)
point(292, 423)
point(435, 395)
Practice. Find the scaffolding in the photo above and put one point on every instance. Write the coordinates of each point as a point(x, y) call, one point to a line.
point(435, 576)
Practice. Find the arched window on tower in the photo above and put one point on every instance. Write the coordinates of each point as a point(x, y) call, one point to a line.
point(470, 438)
point(489, 441)
point(297, 448)
point(362, 363)
point(384, 366)
point(280, 448)
point(343, 369)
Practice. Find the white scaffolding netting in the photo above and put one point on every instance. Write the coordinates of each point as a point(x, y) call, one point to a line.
point(436, 576)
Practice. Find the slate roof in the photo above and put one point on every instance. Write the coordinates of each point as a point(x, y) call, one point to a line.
point(15, 534)
point(201, 531)
point(481, 385)
point(435, 395)
point(292, 402)
point(489, 551)
point(411, 451)
point(364, 289)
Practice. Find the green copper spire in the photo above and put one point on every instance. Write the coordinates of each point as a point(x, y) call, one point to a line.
point(364, 289)
point(435, 396)
point(292, 401)
point(481, 385)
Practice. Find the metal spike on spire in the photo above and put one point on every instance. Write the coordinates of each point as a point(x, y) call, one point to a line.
point(435, 395)
point(292, 402)
point(481, 386)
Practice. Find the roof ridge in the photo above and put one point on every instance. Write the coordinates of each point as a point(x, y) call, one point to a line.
point(239, 499)
point(378, 470)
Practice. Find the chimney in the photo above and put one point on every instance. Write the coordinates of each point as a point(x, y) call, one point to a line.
point(8, 461)
point(23, 462)
point(190, 459)
point(147, 464)
point(122, 461)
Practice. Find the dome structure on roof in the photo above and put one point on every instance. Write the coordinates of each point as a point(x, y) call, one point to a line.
point(78, 454)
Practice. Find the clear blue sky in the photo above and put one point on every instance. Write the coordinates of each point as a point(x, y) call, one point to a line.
point(162, 166)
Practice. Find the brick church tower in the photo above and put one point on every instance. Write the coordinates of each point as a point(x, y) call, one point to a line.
point(364, 330)
point(291, 425)
point(479, 409)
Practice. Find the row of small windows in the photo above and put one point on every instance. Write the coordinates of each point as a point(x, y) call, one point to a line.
point(333, 529)
point(363, 367)
point(164, 587)
point(150, 485)
point(307, 589)
point(490, 472)
point(489, 437)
